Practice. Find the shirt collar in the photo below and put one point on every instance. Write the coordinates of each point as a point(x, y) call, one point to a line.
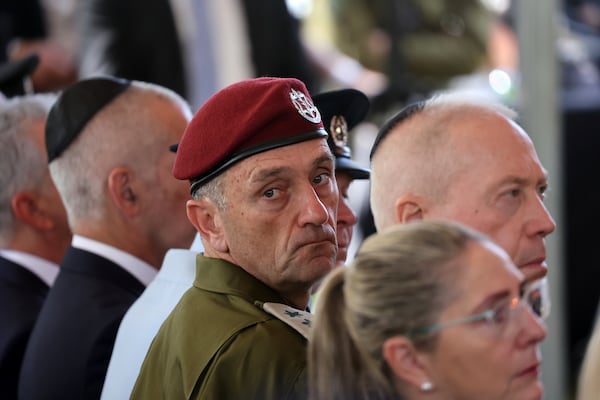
point(141, 270)
point(42, 268)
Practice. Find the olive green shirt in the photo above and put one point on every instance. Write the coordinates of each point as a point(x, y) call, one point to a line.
point(219, 344)
point(436, 40)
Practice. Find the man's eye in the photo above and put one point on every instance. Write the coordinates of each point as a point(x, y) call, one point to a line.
point(321, 178)
point(514, 192)
point(542, 191)
point(270, 193)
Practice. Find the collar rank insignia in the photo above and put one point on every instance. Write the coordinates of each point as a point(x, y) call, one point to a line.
point(297, 319)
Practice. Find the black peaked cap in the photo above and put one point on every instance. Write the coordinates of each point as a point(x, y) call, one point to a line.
point(352, 105)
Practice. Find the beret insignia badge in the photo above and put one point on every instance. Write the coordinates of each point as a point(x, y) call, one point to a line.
point(305, 107)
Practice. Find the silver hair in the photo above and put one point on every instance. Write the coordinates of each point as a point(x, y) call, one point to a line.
point(22, 164)
point(213, 190)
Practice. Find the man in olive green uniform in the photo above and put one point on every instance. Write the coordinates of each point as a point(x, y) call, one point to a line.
point(419, 45)
point(264, 201)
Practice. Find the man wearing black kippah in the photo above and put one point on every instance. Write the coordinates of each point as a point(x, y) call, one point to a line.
point(264, 201)
point(108, 148)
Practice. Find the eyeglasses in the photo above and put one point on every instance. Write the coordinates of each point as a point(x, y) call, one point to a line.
point(533, 296)
point(539, 297)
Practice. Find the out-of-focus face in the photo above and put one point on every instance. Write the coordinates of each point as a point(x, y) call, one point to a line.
point(488, 359)
point(280, 215)
point(49, 199)
point(166, 212)
point(500, 190)
point(346, 218)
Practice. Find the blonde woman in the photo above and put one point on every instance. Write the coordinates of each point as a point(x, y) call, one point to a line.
point(427, 310)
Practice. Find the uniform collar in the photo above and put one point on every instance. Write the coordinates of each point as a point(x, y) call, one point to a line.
point(217, 275)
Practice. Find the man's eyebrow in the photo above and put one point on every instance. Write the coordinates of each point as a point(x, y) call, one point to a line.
point(522, 181)
point(269, 173)
point(324, 158)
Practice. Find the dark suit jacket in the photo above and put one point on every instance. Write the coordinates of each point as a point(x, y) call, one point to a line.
point(22, 294)
point(71, 344)
point(145, 46)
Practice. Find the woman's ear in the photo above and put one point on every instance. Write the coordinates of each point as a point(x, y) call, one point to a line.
point(404, 360)
point(206, 217)
point(409, 207)
point(123, 190)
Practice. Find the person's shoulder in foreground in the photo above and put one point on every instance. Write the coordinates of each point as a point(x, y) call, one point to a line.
point(264, 200)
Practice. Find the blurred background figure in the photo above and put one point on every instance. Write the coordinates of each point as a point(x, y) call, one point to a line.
point(426, 310)
point(15, 76)
point(44, 28)
point(186, 46)
point(420, 46)
point(34, 232)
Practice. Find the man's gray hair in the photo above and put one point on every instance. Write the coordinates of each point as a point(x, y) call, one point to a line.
point(213, 190)
point(22, 164)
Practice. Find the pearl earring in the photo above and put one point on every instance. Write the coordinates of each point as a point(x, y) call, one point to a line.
point(426, 386)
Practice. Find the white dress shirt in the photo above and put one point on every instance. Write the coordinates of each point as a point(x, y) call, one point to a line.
point(144, 318)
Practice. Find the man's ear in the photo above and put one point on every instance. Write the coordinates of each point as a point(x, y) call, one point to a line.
point(409, 207)
point(406, 363)
point(26, 208)
point(206, 217)
point(123, 190)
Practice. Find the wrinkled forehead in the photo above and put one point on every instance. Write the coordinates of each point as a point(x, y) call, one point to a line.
point(294, 158)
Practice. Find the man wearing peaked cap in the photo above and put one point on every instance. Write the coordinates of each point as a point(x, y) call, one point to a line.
point(342, 110)
point(264, 201)
point(108, 148)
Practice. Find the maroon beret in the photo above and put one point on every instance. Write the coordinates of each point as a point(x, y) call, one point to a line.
point(244, 119)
